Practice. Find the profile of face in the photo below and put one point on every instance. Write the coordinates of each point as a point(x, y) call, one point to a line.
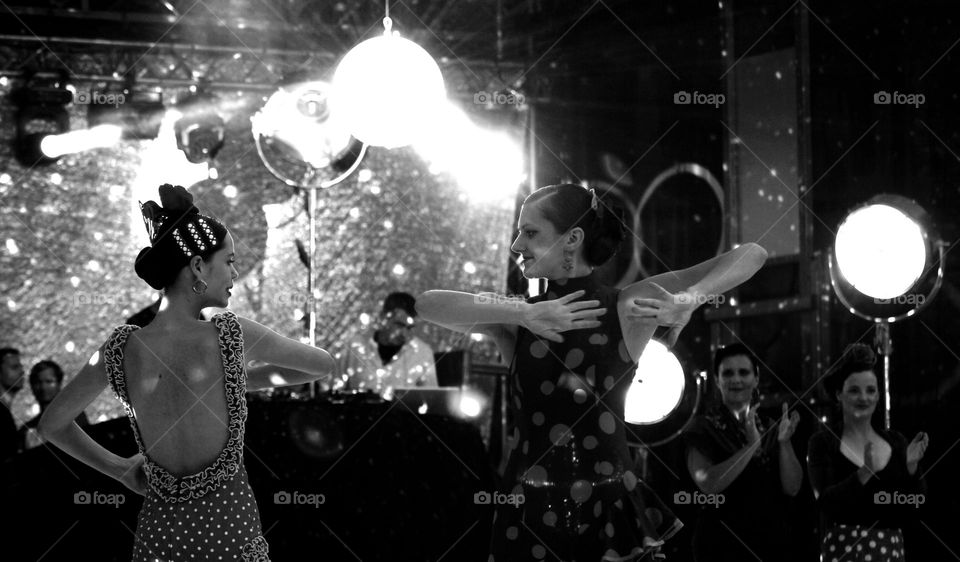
point(45, 386)
point(737, 379)
point(11, 372)
point(219, 273)
point(859, 395)
point(540, 244)
point(395, 326)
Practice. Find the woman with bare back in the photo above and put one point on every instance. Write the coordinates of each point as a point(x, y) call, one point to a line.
point(182, 382)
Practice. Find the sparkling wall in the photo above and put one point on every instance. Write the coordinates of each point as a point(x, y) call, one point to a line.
point(69, 240)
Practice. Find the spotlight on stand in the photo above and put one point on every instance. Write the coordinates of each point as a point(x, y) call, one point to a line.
point(41, 112)
point(886, 265)
point(662, 400)
point(301, 140)
point(137, 112)
point(200, 130)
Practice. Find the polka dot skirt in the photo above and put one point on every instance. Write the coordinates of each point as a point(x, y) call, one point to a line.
point(211, 515)
point(855, 543)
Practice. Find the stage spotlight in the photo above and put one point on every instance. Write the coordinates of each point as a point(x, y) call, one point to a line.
point(200, 130)
point(886, 265)
point(54, 146)
point(663, 399)
point(300, 139)
point(886, 262)
point(297, 120)
point(41, 112)
point(385, 88)
point(471, 403)
point(657, 388)
point(137, 113)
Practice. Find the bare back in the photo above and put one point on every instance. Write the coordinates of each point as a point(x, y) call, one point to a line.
point(175, 385)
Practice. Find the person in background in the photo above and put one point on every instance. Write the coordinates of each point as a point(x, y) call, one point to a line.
point(46, 379)
point(389, 355)
point(11, 381)
point(866, 479)
point(748, 461)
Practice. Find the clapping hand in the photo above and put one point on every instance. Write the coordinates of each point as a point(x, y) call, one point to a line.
point(915, 451)
point(548, 318)
point(788, 424)
point(750, 424)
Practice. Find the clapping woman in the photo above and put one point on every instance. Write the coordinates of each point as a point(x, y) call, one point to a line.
point(866, 479)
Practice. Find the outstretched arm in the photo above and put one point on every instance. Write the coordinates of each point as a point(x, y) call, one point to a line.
point(714, 276)
point(499, 317)
point(289, 362)
point(464, 311)
point(676, 294)
point(59, 427)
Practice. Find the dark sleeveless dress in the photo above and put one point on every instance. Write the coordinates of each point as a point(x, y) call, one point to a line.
point(569, 458)
point(210, 515)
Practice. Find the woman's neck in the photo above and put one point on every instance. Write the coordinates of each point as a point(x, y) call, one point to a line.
point(177, 310)
point(857, 428)
point(579, 270)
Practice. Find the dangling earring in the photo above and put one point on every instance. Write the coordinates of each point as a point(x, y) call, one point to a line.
point(202, 289)
point(568, 260)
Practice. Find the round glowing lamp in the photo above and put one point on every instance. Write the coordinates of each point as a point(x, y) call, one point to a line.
point(385, 88)
point(657, 387)
point(881, 251)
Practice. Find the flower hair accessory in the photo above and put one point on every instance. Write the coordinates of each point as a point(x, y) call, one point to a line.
point(177, 203)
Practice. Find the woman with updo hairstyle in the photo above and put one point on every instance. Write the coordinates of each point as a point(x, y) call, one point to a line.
point(866, 479)
point(569, 490)
point(183, 384)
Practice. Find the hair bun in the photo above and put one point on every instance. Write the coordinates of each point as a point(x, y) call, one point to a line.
point(148, 268)
point(177, 200)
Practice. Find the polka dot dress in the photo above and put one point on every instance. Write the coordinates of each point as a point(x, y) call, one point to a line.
point(568, 450)
point(211, 515)
point(856, 543)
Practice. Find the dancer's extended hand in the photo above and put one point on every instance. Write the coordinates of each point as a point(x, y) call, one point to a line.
point(669, 309)
point(548, 318)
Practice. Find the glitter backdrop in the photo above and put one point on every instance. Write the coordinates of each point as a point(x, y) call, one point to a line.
point(70, 241)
